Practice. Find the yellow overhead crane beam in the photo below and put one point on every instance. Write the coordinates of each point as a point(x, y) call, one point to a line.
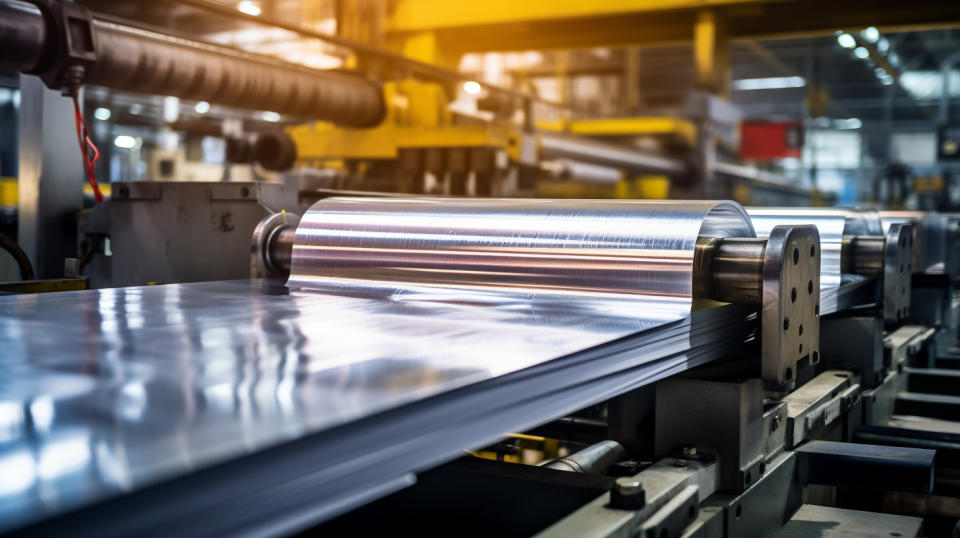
point(505, 25)
point(419, 15)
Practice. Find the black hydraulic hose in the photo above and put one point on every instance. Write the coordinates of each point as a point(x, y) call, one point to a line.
point(23, 262)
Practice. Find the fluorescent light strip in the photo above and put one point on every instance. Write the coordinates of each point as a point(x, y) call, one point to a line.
point(769, 83)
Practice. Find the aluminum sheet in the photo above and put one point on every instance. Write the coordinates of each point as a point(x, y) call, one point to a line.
point(108, 391)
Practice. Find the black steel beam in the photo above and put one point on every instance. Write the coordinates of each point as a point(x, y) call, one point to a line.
point(867, 466)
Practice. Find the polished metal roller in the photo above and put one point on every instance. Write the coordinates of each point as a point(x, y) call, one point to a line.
point(647, 259)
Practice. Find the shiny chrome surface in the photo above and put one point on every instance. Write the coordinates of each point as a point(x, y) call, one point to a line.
point(593, 253)
point(107, 391)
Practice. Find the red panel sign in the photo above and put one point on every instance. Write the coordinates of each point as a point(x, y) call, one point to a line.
point(768, 141)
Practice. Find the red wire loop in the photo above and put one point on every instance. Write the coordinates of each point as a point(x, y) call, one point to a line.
point(86, 146)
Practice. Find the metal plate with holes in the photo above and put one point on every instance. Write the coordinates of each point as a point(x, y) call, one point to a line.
point(897, 270)
point(791, 278)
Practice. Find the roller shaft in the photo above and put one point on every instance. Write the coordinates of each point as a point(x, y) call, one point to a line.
point(281, 248)
point(729, 270)
point(134, 60)
point(595, 459)
point(863, 255)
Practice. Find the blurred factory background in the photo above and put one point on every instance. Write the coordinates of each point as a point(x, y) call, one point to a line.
point(766, 103)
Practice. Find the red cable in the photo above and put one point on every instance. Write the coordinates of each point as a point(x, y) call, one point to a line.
point(86, 145)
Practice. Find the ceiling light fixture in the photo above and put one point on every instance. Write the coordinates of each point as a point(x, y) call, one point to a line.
point(250, 8)
point(846, 41)
point(769, 83)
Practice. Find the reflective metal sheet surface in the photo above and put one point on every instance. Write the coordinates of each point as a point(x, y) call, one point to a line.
point(106, 391)
point(863, 222)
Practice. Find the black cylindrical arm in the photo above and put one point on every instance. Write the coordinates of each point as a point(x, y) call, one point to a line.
point(135, 60)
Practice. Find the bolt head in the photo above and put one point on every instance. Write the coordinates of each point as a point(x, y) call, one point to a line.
point(628, 494)
point(689, 450)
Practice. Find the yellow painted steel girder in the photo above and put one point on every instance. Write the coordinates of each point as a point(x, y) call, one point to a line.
point(630, 126)
point(418, 15)
point(502, 25)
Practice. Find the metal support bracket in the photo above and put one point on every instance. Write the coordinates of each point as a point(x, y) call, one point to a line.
point(674, 488)
point(818, 403)
point(897, 271)
point(791, 304)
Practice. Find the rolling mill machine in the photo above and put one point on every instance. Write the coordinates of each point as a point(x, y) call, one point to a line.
point(429, 362)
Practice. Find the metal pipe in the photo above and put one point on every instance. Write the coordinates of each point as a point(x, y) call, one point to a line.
point(632, 160)
point(19, 256)
point(569, 170)
point(863, 255)
point(23, 36)
point(136, 60)
point(729, 270)
point(595, 459)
